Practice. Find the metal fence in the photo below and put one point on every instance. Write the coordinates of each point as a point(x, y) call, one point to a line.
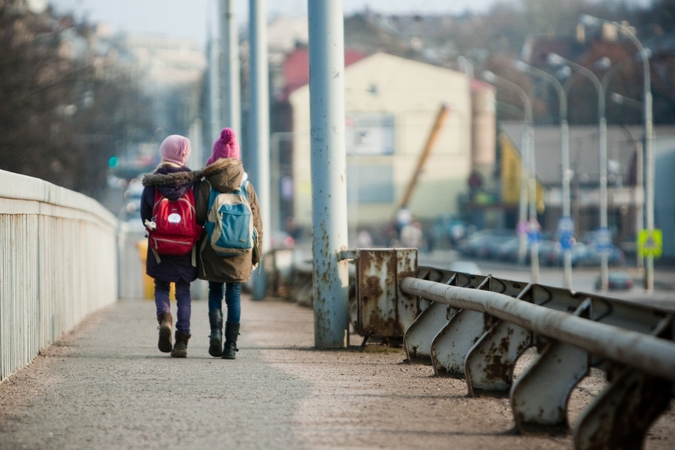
point(58, 264)
point(476, 327)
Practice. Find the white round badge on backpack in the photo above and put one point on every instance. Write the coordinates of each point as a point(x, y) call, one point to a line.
point(174, 218)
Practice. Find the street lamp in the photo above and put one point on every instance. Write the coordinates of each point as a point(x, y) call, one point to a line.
point(623, 100)
point(649, 133)
point(639, 180)
point(527, 144)
point(556, 59)
point(566, 172)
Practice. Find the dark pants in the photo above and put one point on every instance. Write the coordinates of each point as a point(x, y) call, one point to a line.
point(232, 299)
point(182, 301)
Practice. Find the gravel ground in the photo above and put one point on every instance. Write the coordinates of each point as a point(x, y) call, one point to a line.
point(106, 386)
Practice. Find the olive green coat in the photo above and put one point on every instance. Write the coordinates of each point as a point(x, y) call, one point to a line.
point(225, 175)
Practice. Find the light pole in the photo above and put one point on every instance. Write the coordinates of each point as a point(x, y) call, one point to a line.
point(649, 134)
point(559, 60)
point(638, 192)
point(259, 131)
point(230, 96)
point(522, 201)
point(565, 159)
point(528, 151)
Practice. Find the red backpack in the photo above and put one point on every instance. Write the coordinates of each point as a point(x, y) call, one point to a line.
point(176, 230)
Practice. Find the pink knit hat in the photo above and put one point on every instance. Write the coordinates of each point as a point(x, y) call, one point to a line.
point(226, 146)
point(175, 149)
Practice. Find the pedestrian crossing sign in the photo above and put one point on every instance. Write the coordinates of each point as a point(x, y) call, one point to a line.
point(650, 243)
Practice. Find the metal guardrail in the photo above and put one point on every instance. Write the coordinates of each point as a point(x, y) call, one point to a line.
point(476, 327)
point(58, 263)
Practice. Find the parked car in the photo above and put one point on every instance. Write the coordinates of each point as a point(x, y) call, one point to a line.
point(465, 267)
point(549, 252)
point(130, 214)
point(618, 280)
point(447, 228)
point(477, 243)
point(588, 255)
point(508, 250)
point(281, 239)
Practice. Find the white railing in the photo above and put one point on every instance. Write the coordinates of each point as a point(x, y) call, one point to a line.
point(58, 263)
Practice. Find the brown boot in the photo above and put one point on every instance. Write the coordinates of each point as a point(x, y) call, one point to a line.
point(180, 349)
point(165, 324)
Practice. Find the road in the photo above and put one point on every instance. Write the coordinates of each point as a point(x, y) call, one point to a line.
point(583, 278)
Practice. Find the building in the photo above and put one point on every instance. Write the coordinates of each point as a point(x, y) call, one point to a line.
point(391, 106)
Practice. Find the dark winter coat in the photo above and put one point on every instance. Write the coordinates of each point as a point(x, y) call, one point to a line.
point(173, 182)
point(225, 175)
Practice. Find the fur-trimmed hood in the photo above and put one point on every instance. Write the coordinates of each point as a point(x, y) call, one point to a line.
point(172, 181)
point(162, 179)
point(225, 174)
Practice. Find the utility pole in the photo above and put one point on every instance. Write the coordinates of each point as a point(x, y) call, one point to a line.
point(328, 164)
point(229, 68)
point(259, 126)
point(215, 90)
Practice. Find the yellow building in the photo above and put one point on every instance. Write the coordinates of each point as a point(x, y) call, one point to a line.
point(391, 106)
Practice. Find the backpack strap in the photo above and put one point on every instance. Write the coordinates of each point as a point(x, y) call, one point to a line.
point(157, 199)
point(243, 190)
point(213, 193)
point(155, 203)
point(157, 258)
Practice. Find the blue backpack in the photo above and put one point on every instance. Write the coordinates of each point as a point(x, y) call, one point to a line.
point(229, 223)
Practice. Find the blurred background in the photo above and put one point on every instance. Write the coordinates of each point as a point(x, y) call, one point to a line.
point(89, 88)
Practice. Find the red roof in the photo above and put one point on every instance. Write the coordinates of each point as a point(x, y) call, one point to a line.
point(296, 67)
point(478, 85)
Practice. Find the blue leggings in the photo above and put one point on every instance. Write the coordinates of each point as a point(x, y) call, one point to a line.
point(232, 299)
point(183, 302)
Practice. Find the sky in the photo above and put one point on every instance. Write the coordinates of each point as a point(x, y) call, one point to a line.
point(189, 18)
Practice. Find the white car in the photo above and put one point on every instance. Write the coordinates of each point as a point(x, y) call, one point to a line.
point(465, 267)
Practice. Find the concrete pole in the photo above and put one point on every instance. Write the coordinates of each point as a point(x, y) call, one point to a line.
point(649, 136)
point(328, 164)
point(529, 183)
point(564, 156)
point(231, 87)
point(650, 165)
point(639, 197)
point(534, 225)
point(602, 158)
point(215, 123)
point(259, 127)
point(566, 192)
point(522, 205)
point(649, 148)
point(604, 266)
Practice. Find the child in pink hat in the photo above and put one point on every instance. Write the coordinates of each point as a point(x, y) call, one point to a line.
point(172, 180)
point(224, 173)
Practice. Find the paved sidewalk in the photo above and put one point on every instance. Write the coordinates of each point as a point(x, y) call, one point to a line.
point(106, 386)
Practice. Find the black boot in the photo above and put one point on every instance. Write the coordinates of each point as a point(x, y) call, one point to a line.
point(231, 332)
point(165, 324)
point(180, 349)
point(216, 338)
